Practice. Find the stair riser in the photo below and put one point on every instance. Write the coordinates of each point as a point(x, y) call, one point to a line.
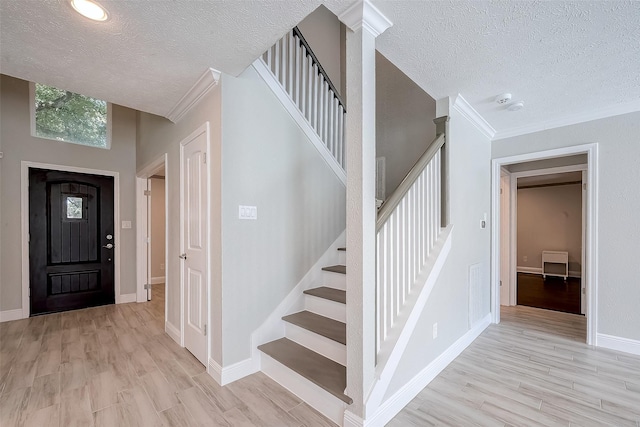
point(334, 280)
point(327, 308)
point(322, 345)
point(342, 255)
point(319, 399)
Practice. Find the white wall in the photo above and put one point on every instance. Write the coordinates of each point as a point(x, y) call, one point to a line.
point(268, 162)
point(404, 121)
point(157, 228)
point(549, 218)
point(470, 182)
point(18, 145)
point(618, 140)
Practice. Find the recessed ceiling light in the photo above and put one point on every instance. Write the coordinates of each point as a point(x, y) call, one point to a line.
point(90, 9)
point(503, 98)
point(516, 106)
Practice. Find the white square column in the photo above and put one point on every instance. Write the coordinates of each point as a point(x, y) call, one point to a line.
point(364, 23)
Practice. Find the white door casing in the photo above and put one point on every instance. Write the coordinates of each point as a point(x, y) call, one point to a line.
point(194, 242)
point(505, 247)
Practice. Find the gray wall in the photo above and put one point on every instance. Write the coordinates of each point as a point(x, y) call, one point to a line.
point(322, 30)
point(550, 218)
point(157, 136)
point(268, 162)
point(448, 303)
point(404, 121)
point(618, 141)
point(18, 145)
point(157, 227)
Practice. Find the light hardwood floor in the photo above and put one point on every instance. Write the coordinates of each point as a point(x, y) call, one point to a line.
point(532, 369)
point(115, 366)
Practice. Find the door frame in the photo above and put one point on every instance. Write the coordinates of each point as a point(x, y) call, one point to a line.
point(513, 221)
point(24, 219)
point(204, 128)
point(590, 277)
point(142, 220)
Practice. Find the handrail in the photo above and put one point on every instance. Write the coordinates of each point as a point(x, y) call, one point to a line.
point(390, 204)
point(314, 58)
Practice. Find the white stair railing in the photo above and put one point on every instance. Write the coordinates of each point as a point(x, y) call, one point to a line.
point(408, 226)
point(300, 74)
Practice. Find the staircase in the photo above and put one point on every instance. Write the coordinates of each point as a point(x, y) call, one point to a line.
point(311, 358)
point(413, 239)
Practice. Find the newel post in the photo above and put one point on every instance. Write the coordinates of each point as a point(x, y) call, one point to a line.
point(364, 23)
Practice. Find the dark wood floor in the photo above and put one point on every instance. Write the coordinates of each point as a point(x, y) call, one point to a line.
point(552, 294)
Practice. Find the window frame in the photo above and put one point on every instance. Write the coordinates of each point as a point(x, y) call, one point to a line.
point(32, 114)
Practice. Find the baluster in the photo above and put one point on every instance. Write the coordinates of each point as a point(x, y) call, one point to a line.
point(276, 60)
point(304, 83)
point(316, 99)
point(434, 224)
point(340, 133)
point(322, 115)
point(291, 62)
point(438, 191)
point(309, 88)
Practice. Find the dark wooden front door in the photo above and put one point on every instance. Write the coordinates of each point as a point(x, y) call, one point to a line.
point(71, 243)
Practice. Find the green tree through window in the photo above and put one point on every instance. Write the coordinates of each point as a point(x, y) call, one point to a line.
point(71, 117)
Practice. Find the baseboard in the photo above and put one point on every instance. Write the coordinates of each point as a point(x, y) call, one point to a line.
point(392, 406)
point(352, 420)
point(157, 280)
point(538, 271)
point(273, 326)
point(126, 298)
point(229, 374)
point(173, 332)
point(613, 342)
point(9, 315)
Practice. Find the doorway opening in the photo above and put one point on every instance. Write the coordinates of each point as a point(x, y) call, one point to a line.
point(152, 209)
point(544, 239)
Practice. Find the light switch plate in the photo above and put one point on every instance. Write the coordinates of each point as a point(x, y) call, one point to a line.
point(247, 212)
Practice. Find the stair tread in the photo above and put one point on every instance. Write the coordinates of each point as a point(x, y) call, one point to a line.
point(342, 269)
point(323, 372)
point(325, 292)
point(342, 249)
point(320, 325)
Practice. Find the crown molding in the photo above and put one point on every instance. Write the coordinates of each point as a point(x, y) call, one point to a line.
point(463, 107)
point(365, 15)
point(571, 119)
point(205, 83)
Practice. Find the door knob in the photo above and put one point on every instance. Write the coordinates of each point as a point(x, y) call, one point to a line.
point(183, 256)
point(108, 246)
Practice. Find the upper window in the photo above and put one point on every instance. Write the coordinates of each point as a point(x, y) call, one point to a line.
point(70, 117)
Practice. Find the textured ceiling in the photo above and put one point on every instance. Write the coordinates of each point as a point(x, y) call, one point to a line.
point(560, 58)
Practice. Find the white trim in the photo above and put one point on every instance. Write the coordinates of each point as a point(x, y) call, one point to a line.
point(571, 119)
point(24, 218)
point(463, 107)
point(591, 248)
point(158, 280)
point(228, 374)
point(273, 327)
point(401, 398)
point(9, 315)
point(173, 332)
point(393, 349)
point(538, 271)
point(619, 343)
point(352, 420)
point(207, 81)
point(363, 14)
point(298, 117)
point(126, 298)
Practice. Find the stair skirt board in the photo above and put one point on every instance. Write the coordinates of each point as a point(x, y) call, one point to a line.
point(319, 399)
point(322, 345)
point(327, 308)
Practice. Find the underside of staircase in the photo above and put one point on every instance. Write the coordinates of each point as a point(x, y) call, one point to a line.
point(310, 359)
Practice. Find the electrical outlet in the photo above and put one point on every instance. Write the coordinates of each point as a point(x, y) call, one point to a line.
point(525, 258)
point(435, 330)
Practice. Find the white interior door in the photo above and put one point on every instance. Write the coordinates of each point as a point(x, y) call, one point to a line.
point(505, 250)
point(194, 244)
